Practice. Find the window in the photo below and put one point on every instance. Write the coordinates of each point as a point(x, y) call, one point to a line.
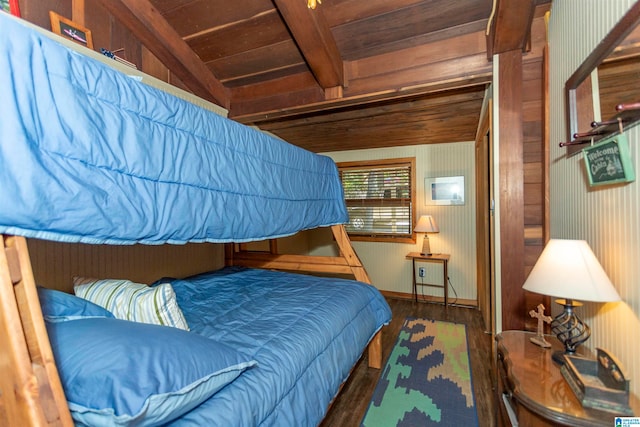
point(380, 199)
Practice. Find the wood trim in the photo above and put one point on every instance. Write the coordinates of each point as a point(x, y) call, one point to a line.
point(347, 263)
point(384, 239)
point(396, 162)
point(149, 26)
point(77, 12)
point(375, 351)
point(372, 164)
point(628, 22)
point(27, 367)
point(334, 265)
point(511, 26)
point(546, 161)
point(511, 184)
point(622, 29)
point(346, 250)
point(313, 36)
point(428, 298)
point(397, 295)
point(483, 215)
point(242, 109)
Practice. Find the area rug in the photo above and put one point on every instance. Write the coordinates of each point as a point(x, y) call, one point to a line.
point(427, 379)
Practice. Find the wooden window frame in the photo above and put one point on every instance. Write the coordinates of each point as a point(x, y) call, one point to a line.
point(409, 162)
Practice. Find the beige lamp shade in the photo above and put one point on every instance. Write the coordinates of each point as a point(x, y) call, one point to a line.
point(426, 224)
point(569, 269)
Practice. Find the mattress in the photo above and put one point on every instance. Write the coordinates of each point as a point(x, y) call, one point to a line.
point(305, 332)
point(92, 155)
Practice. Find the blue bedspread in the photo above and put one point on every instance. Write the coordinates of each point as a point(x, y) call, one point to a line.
point(90, 154)
point(305, 332)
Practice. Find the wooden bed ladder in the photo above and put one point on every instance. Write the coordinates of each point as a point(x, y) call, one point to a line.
point(347, 263)
point(30, 390)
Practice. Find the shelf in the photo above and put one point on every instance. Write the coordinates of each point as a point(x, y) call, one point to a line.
point(626, 116)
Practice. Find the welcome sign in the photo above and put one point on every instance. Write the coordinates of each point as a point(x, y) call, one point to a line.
point(609, 162)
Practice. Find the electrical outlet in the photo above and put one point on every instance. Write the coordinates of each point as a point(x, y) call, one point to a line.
point(421, 272)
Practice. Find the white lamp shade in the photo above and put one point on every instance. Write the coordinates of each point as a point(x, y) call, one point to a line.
point(426, 224)
point(569, 269)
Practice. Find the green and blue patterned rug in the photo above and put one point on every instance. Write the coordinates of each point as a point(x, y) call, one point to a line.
point(427, 379)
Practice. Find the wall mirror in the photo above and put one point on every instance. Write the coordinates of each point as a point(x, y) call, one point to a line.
point(607, 79)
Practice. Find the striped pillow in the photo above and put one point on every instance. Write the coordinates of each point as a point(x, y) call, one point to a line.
point(127, 300)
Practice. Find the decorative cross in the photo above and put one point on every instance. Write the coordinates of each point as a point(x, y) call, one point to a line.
point(539, 338)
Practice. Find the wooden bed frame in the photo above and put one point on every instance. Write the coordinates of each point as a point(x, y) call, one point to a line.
point(31, 393)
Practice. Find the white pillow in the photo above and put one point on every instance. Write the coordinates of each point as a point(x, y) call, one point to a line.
point(133, 301)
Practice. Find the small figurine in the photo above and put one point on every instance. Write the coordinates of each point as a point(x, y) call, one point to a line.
point(539, 338)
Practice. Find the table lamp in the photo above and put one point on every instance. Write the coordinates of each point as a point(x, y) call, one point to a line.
point(569, 270)
point(426, 224)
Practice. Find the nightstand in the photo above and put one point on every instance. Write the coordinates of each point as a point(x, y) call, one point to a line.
point(532, 390)
point(434, 258)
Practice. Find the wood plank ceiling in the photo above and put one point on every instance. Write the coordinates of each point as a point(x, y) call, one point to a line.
point(349, 74)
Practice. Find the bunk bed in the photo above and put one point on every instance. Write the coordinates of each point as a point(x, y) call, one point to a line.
point(91, 155)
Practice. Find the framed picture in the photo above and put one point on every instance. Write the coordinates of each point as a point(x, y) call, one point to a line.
point(70, 30)
point(446, 190)
point(609, 161)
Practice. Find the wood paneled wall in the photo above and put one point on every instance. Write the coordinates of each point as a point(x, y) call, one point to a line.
point(107, 32)
point(521, 174)
point(55, 264)
point(534, 178)
point(510, 177)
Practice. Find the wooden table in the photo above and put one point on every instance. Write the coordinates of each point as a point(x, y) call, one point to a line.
point(435, 258)
point(531, 385)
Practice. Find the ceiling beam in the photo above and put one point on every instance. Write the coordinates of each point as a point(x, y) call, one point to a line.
point(360, 100)
point(510, 26)
point(149, 26)
point(410, 105)
point(313, 36)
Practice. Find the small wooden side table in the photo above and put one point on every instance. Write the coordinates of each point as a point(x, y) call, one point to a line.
point(435, 258)
point(532, 390)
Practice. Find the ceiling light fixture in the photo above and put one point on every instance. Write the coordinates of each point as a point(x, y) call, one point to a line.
point(311, 4)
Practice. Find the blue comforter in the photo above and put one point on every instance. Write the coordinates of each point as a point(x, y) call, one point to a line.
point(90, 154)
point(305, 332)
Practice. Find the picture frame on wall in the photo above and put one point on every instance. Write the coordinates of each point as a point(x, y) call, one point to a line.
point(70, 30)
point(445, 191)
point(609, 161)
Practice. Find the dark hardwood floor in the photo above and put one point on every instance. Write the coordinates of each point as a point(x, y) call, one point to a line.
point(352, 402)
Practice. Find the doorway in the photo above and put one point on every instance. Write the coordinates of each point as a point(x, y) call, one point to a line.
point(485, 218)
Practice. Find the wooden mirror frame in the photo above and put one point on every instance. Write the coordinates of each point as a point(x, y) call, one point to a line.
point(573, 97)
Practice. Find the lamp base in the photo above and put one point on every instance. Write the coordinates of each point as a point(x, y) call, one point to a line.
point(570, 330)
point(426, 247)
